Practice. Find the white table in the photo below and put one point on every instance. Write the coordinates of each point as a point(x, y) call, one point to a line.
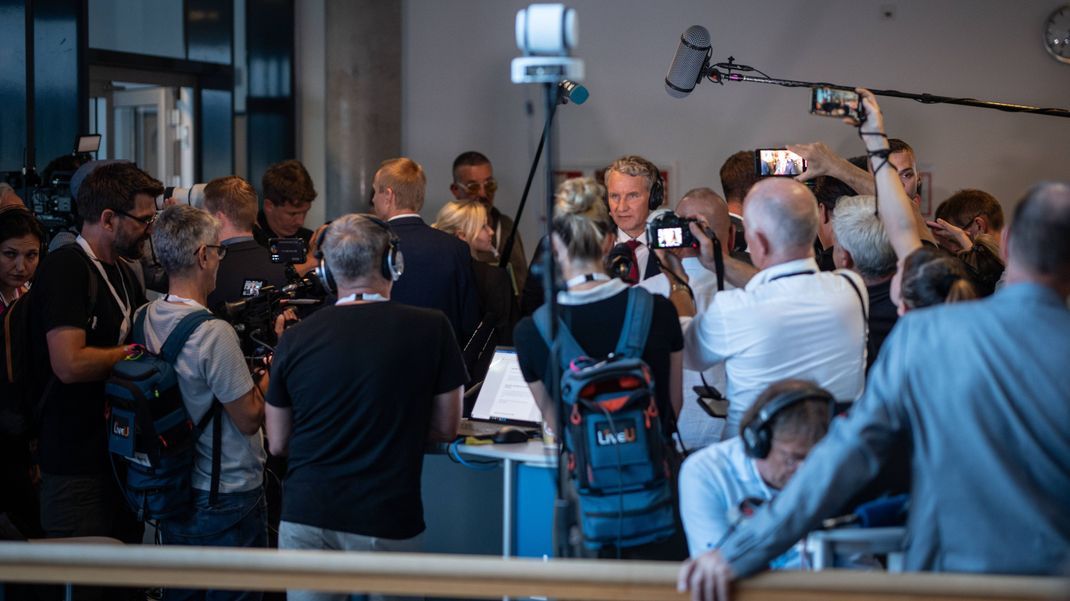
point(533, 453)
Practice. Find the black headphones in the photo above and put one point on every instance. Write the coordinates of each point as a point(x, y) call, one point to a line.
point(391, 266)
point(757, 434)
point(657, 190)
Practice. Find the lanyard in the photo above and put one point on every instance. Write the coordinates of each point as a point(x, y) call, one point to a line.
point(792, 274)
point(352, 298)
point(124, 307)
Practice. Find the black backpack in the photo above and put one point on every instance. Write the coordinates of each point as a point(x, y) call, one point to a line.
point(618, 453)
point(150, 432)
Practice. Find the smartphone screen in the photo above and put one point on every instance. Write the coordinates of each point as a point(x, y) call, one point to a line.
point(830, 102)
point(778, 162)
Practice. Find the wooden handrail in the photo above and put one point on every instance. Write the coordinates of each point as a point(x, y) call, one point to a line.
point(472, 576)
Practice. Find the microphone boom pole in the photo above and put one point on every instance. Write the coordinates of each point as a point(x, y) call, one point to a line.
point(716, 76)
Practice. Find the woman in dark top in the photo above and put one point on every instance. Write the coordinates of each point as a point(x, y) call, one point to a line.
point(593, 305)
point(593, 308)
point(21, 240)
point(469, 221)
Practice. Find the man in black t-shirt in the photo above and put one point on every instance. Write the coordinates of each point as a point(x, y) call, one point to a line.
point(77, 340)
point(356, 391)
point(247, 266)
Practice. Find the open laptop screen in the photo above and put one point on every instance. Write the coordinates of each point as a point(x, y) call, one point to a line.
point(505, 396)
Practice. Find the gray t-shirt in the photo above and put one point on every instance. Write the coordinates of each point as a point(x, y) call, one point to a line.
point(211, 364)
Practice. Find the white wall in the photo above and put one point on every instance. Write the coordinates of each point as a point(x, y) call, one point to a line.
point(457, 93)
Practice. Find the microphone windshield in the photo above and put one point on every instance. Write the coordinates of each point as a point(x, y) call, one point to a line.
point(689, 62)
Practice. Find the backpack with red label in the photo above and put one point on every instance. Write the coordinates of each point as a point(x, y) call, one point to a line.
point(617, 450)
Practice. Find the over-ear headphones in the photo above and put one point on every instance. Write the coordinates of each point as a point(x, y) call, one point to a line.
point(657, 190)
point(757, 434)
point(392, 264)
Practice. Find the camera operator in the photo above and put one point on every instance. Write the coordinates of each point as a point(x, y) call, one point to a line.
point(696, 428)
point(247, 266)
point(288, 195)
point(210, 369)
point(790, 320)
point(77, 340)
point(356, 443)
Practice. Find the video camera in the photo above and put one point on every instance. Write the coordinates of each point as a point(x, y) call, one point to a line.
point(49, 195)
point(253, 318)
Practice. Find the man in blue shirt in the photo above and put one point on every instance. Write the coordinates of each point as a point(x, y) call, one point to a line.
point(722, 482)
point(982, 411)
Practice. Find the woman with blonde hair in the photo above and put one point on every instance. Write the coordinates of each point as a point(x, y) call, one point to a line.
point(470, 222)
point(594, 307)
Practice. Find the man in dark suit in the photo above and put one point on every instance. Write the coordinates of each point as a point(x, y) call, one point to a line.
point(438, 267)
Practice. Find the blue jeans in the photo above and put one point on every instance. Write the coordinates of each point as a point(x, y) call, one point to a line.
point(236, 520)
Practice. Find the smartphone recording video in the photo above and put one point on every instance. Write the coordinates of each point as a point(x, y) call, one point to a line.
point(829, 102)
point(778, 162)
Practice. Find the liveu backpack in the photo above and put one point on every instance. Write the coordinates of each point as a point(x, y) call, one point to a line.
point(616, 447)
point(151, 437)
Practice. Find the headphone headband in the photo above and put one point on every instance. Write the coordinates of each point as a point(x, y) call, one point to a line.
point(391, 267)
point(757, 434)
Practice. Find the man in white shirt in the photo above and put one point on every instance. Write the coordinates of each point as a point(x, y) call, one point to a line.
point(633, 189)
point(790, 321)
point(697, 429)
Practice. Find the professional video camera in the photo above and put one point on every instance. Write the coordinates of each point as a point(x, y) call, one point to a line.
point(254, 317)
point(49, 195)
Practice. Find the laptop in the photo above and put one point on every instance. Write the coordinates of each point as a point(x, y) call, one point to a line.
point(503, 398)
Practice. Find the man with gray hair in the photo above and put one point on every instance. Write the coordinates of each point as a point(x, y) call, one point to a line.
point(863, 247)
point(228, 504)
point(364, 433)
point(790, 320)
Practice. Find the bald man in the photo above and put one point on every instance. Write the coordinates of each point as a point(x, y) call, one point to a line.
point(790, 320)
point(697, 429)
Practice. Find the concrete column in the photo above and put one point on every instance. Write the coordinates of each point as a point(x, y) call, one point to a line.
point(363, 100)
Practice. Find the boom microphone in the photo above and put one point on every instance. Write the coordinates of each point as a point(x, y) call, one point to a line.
point(690, 62)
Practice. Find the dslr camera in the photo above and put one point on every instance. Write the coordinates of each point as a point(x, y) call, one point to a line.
point(669, 230)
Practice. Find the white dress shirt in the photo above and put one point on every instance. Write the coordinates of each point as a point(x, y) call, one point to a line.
point(790, 321)
point(697, 428)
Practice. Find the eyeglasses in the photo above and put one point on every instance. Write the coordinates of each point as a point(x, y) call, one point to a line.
point(488, 186)
point(220, 250)
point(966, 224)
point(145, 221)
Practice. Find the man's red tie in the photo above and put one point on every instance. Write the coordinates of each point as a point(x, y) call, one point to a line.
point(633, 273)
